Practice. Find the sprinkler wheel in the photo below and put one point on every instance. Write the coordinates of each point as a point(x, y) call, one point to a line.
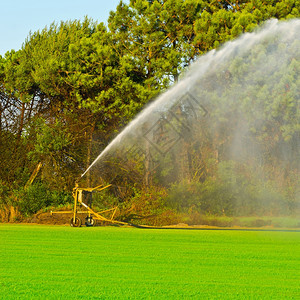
point(89, 221)
point(77, 222)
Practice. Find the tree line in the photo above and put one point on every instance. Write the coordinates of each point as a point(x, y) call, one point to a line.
point(72, 86)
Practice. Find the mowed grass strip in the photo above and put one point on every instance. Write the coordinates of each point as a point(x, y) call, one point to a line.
point(57, 262)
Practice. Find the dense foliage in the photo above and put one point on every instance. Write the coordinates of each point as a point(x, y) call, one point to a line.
point(74, 85)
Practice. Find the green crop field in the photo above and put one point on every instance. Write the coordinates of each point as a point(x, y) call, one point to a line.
point(57, 262)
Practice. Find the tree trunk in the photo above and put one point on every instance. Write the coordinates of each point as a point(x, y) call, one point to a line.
point(89, 154)
point(21, 124)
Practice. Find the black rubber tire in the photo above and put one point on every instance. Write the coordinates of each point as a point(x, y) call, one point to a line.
point(77, 222)
point(89, 222)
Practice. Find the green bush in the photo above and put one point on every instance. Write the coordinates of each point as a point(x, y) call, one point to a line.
point(105, 199)
point(234, 191)
point(37, 196)
point(147, 206)
point(59, 198)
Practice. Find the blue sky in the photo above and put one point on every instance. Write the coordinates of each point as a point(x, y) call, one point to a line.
point(19, 17)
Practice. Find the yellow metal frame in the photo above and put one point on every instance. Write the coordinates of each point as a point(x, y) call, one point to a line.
point(77, 195)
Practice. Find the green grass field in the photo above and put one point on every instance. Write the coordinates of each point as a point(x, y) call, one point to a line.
point(57, 262)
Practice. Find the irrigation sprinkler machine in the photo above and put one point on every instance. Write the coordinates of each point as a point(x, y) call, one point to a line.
point(83, 205)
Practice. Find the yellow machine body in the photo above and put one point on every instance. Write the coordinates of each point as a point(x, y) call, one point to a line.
point(92, 215)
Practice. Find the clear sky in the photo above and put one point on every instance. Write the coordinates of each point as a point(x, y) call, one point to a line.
point(19, 17)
